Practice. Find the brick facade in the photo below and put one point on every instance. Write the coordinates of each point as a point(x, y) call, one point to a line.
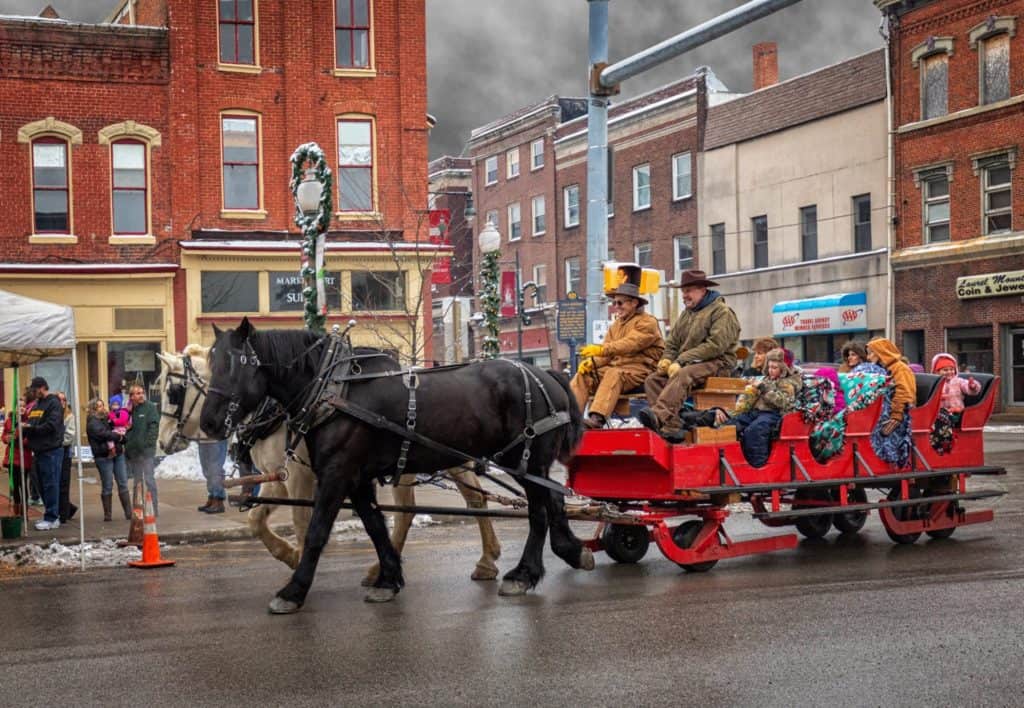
point(647, 129)
point(957, 143)
point(163, 78)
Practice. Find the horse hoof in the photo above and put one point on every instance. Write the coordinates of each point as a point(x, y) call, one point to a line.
point(484, 573)
point(380, 594)
point(586, 559)
point(371, 576)
point(280, 606)
point(293, 559)
point(513, 588)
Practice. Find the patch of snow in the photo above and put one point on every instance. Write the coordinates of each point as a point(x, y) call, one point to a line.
point(185, 465)
point(103, 554)
point(1004, 428)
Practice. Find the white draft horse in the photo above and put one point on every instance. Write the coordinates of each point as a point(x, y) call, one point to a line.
point(182, 400)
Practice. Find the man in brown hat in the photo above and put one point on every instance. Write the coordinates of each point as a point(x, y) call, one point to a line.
point(701, 343)
point(629, 353)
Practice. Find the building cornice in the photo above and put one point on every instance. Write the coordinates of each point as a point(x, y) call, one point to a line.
point(958, 251)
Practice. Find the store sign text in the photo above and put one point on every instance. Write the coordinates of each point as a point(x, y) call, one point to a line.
point(990, 285)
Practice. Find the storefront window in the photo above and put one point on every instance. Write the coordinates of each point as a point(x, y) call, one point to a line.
point(972, 347)
point(130, 363)
point(230, 291)
point(913, 346)
point(57, 372)
point(1017, 366)
point(286, 291)
point(376, 290)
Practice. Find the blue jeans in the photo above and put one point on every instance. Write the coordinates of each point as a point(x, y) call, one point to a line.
point(49, 463)
point(111, 467)
point(144, 468)
point(211, 458)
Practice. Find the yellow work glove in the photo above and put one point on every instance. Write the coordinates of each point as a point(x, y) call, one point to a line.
point(674, 369)
point(586, 366)
point(663, 366)
point(592, 350)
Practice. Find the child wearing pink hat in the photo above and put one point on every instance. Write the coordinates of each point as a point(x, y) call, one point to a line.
point(956, 386)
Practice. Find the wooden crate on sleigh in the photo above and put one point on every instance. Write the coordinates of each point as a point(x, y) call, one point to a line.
point(718, 392)
point(700, 436)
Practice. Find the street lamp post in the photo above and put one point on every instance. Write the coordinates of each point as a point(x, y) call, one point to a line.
point(522, 319)
point(490, 301)
point(312, 190)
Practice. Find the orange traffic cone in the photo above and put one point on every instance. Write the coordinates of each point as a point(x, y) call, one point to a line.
point(150, 542)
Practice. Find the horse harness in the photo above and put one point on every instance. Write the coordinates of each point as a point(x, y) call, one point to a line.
point(176, 396)
point(340, 367)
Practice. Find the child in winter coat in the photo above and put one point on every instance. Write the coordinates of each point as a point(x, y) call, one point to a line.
point(955, 387)
point(120, 419)
point(762, 405)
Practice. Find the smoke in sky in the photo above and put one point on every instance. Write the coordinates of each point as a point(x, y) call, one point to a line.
point(485, 58)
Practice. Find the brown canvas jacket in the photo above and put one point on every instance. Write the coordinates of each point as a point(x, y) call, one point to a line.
point(636, 340)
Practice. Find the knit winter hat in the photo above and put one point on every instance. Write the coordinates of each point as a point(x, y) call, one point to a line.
point(782, 356)
point(941, 360)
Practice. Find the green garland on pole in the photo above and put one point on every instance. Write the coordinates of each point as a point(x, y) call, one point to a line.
point(490, 302)
point(314, 227)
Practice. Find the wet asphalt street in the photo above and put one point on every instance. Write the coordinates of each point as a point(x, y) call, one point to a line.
point(852, 622)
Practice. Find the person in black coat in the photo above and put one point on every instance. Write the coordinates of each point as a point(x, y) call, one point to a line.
point(108, 454)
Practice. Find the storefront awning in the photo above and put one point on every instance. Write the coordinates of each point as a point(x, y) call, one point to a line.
point(821, 315)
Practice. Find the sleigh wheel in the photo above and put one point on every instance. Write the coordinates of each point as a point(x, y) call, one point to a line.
point(625, 544)
point(812, 526)
point(905, 513)
point(851, 521)
point(940, 534)
point(683, 537)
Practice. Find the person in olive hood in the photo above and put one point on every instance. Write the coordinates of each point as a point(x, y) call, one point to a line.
point(140, 442)
point(701, 343)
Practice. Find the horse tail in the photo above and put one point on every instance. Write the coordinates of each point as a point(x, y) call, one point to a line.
point(575, 428)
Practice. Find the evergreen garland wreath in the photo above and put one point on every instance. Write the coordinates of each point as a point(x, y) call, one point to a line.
point(314, 228)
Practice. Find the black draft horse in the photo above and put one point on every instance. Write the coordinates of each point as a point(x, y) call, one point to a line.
point(478, 409)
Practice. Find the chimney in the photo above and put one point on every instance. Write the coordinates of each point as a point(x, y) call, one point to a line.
point(766, 65)
point(49, 13)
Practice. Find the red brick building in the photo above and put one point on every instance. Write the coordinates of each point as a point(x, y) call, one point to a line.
point(957, 70)
point(148, 163)
point(534, 160)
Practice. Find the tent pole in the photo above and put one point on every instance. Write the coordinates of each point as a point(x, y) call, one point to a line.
point(78, 449)
point(21, 457)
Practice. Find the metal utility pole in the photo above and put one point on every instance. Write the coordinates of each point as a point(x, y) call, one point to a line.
point(604, 81)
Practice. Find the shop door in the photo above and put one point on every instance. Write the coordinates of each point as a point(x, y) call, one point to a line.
point(1017, 367)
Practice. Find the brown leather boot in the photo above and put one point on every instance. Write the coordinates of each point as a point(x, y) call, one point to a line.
point(216, 506)
point(105, 498)
point(206, 507)
point(126, 503)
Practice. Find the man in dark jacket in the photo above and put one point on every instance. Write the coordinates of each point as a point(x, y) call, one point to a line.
point(140, 442)
point(44, 431)
point(701, 343)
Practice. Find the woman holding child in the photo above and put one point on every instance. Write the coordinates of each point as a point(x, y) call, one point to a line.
point(108, 453)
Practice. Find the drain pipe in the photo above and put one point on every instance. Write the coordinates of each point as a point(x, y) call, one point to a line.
point(884, 30)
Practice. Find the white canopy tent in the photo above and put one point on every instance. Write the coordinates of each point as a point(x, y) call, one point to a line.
point(31, 330)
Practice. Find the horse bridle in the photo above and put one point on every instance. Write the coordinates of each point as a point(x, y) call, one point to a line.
point(176, 393)
point(246, 357)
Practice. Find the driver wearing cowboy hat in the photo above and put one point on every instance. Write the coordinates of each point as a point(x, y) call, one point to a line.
point(701, 343)
point(630, 352)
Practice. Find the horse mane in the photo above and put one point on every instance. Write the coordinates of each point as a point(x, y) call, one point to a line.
point(197, 350)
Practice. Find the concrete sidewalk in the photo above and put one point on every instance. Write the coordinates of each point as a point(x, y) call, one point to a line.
point(180, 522)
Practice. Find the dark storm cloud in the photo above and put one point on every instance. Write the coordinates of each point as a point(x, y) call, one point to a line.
point(76, 10)
point(485, 58)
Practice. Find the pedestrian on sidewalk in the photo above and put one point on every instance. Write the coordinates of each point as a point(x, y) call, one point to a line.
point(212, 455)
point(67, 509)
point(140, 442)
point(108, 454)
point(45, 433)
point(20, 455)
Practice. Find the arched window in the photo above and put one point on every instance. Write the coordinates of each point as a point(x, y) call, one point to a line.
point(356, 176)
point(932, 57)
point(51, 185)
point(130, 187)
point(991, 39)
